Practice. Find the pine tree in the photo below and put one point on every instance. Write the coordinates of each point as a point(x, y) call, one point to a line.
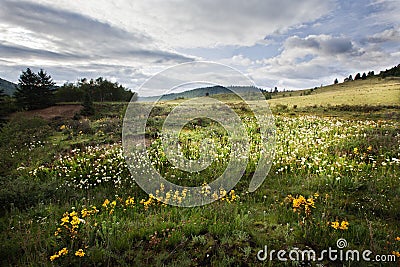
point(34, 90)
point(364, 76)
point(46, 85)
point(336, 81)
point(87, 104)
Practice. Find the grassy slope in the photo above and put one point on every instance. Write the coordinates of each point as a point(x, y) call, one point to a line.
point(361, 92)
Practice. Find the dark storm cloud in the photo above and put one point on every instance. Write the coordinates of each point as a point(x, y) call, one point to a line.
point(323, 44)
point(12, 51)
point(73, 33)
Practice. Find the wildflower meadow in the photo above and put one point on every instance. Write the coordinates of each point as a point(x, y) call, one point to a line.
point(70, 200)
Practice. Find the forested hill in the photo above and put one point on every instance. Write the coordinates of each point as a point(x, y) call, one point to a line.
point(8, 87)
point(199, 92)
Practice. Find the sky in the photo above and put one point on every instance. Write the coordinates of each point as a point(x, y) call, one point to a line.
point(283, 43)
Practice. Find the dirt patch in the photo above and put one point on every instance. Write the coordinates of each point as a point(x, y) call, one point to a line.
point(60, 111)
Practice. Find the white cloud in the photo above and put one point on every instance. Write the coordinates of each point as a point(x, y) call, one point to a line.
point(293, 44)
point(389, 35)
point(200, 23)
point(318, 59)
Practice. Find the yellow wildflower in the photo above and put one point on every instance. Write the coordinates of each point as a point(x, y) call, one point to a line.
point(106, 202)
point(63, 251)
point(57, 232)
point(72, 214)
point(53, 257)
point(184, 191)
point(75, 220)
point(396, 253)
point(64, 219)
point(233, 195)
point(80, 253)
point(130, 201)
point(84, 213)
point(355, 150)
point(397, 238)
point(369, 148)
point(215, 196)
point(335, 225)
point(344, 225)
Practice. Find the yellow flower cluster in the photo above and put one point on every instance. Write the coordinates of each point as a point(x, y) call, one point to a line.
point(58, 254)
point(70, 221)
point(130, 201)
point(344, 225)
point(110, 205)
point(170, 196)
point(205, 189)
point(300, 203)
point(149, 202)
point(231, 197)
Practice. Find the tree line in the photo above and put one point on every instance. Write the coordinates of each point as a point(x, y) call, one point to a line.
point(100, 90)
point(38, 90)
point(393, 72)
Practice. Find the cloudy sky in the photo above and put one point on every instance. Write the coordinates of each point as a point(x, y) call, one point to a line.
point(284, 43)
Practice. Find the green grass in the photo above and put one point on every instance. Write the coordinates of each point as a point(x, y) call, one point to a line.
point(345, 159)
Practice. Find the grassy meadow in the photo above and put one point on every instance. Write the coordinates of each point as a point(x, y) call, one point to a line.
point(67, 197)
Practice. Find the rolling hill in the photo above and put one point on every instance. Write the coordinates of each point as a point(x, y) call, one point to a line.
point(199, 92)
point(8, 87)
point(375, 91)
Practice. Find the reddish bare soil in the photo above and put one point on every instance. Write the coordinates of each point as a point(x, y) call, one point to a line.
point(60, 111)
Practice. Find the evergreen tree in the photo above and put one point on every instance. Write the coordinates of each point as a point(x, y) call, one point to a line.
point(364, 76)
point(350, 77)
point(87, 104)
point(46, 85)
point(357, 77)
point(336, 81)
point(34, 90)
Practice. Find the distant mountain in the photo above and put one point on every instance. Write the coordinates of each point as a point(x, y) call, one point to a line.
point(199, 92)
point(8, 87)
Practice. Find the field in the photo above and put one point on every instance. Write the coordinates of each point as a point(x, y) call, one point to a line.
point(68, 199)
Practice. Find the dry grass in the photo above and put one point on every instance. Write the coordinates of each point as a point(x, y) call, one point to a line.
point(367, 92)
